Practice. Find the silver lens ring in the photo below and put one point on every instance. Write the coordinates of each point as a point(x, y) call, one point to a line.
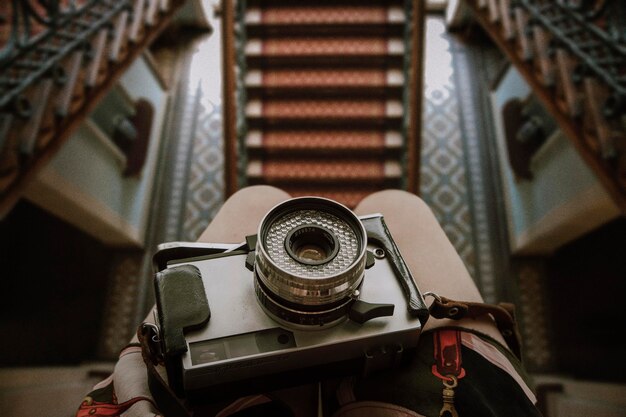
point(335, 273)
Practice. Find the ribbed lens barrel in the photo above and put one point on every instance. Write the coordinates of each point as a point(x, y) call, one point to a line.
point(310, 254)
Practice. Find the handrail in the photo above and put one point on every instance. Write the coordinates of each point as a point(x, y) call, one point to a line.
point(575, 63)
point(599, 54)
point(58, 58)
point(25, 59)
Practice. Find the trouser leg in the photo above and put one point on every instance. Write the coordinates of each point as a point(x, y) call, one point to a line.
point(432, 259)
point(241, 214)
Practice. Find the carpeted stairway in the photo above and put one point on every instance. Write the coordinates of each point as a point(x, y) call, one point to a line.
point(324, 83)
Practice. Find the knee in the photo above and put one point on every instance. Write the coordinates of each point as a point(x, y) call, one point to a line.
point(392, 198)
point(256, 194)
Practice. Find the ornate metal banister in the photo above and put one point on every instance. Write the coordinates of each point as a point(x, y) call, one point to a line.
point(573, 55)
point(32, 54)
point(599, 53)
point(57, 59)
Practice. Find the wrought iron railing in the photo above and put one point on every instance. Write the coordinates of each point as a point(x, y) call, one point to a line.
point(573, 54)
point(599, 51)
point(57, 58)
point(40, 38)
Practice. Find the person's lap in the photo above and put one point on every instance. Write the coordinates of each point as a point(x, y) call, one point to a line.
point(432, 259)
point(429, 254)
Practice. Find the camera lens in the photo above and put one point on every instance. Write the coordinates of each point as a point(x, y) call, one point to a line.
point(311, 244)
point(310, 258)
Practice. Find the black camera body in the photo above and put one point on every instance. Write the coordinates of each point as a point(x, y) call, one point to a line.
point(317, 293)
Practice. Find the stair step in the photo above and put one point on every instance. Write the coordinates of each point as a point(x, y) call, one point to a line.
point(276, 171)
point(321, 3)
point(317, 77)
point(323, 51)
point(311, 82)
point(331, 114)
point(325, 14)
point(324, 108)
point(369, 19)
point(325, 45)
point(326, 142)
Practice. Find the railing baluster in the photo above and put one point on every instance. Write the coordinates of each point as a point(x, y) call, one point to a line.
point(508, 27)
point(595, 96)
point(73, 68)
point(136, 26)
point(151, 12)
point(99, 46)
point(29, 133)
point(571, 94)
point(494, 11)
point(521, 23)
point(545, 67)
point(119, 35)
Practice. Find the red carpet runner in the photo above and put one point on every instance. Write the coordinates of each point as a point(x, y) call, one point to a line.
point(324, 87)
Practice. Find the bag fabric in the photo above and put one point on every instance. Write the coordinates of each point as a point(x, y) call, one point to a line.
point(494, 385)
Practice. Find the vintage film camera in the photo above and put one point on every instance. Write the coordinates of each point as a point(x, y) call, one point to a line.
point(318, 292)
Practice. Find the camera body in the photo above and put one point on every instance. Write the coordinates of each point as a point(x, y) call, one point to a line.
point(236, 319)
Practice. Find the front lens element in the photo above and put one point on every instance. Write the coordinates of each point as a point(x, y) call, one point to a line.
point(311, 244)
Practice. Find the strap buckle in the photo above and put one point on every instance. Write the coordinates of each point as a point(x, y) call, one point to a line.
point(150, 339)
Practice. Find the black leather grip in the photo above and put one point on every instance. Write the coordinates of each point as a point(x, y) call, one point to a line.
point(378, 233)
point(181, 304)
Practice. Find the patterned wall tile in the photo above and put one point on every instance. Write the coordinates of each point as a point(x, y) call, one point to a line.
point(119, 324)
point(444, 184)
point(533, 314)
point(205, 193)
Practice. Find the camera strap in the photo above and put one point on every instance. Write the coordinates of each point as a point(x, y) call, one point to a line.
point(502, 313)
point(166, 400)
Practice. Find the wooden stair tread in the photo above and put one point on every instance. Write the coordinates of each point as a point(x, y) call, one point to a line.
point(324, 77)
point(323, 141)
point(324, 170)
point(321, 46)
point(324, 82)
point(337, 19)
point(326, 14)
point(324, 108)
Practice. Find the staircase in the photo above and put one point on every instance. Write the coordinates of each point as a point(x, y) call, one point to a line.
point(58, 59)
point(326, 92)
point(572, 55)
